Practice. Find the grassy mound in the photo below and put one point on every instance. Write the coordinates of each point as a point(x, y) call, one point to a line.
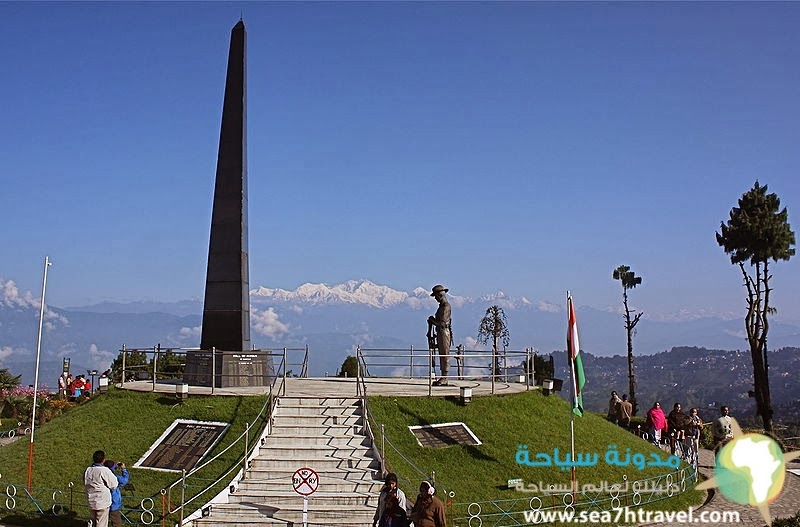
point(124, 424)
point(481, 473)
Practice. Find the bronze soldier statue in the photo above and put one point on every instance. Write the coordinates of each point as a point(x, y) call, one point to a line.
point(443, 337)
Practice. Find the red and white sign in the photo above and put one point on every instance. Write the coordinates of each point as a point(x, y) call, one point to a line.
point(305, 481)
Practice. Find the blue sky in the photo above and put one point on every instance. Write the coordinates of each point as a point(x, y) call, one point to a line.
point(523, 147)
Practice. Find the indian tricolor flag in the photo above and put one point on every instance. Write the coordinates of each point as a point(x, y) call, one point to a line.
point(575, 362)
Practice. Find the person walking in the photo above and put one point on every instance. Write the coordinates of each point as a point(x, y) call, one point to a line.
point(115, 512)
point(695, 426)
point(722, 429)
point(656, 422)
point(62, 385)
point(624, 412)
point(392, 510)
point(428, 510)
point(99, 481)
point(613, 404)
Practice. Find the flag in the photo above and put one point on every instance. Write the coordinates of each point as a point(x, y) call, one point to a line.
point(575, 361)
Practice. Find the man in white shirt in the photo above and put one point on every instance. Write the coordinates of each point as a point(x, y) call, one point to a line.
point(99, 480)
point(722, 429)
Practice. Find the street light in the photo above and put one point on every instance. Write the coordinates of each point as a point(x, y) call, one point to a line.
point(47, 263)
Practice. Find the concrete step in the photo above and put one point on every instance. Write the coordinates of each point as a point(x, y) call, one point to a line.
point(319, 401)
point(322, 464)
point(324, 434)
point(287, 499)
point(249, 514)
point(289, 428)
point(337, 442)
point(286, 419)
point(312, 452)
point(253, 487)
point(271, 473)
point(319, 410)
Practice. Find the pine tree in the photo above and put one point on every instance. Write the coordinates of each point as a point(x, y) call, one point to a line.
point(757, 232)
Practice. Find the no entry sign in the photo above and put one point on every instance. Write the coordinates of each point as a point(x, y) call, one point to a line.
point(305, 481)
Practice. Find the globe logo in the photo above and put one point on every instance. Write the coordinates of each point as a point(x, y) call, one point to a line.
point(750, 470)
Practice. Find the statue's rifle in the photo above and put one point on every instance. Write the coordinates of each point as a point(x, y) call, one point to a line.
point(432, 344)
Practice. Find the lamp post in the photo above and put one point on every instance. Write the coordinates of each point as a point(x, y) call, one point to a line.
point(47, 263)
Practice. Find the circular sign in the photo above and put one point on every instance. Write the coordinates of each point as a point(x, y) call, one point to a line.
point(305, 481)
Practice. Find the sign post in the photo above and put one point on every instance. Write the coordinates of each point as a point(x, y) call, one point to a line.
point(305, 482)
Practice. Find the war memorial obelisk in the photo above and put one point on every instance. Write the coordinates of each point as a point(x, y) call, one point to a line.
point(226, 308)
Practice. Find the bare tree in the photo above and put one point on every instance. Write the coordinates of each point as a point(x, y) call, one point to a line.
point(494, 327)
point(629, 280)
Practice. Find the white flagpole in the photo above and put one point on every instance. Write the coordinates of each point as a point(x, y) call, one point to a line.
point(47, 263)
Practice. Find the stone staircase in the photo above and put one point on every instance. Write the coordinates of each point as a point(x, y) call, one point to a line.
point(325, 434)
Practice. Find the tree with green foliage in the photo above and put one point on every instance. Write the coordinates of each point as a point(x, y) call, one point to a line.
point(538, 368)
point(349, 367)
point(7, 380)
point(757, 232)
point(170, 364)
point(494, 327)
point(629, 280)
point(135, 361)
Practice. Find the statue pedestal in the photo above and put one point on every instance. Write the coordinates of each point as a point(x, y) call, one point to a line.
point(229, 368)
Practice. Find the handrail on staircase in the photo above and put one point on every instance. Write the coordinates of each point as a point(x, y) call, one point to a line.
point(264, 416)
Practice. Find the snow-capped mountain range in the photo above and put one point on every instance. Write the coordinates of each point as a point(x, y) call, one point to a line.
point(367, 293)
point(332, 320)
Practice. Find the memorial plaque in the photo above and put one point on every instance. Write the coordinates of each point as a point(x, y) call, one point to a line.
point(444, 434)
point(182, 445)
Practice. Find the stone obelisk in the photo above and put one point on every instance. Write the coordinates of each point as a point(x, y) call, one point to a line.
point(226, 309)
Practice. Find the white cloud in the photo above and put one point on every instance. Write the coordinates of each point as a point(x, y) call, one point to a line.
point(547, 307)
point(266, 323)
point(102, 357)
point(5, 352)
point(52, 319)
point(190, 333)
point(415, 303)
point(297, 309)
point(364, 340)
point(470, 343)
point(742, 334)
point(10, 296)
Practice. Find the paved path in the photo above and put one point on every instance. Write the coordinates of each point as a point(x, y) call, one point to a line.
point(333, 386)
point(787, 504)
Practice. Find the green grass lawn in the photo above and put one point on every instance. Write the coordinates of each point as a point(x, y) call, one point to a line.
point(124, 424)
point(480, 473)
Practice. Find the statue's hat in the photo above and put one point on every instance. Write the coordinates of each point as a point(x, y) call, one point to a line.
point(438, 289)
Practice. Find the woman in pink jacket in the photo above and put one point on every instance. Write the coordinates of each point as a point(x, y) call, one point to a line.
point(656, 422)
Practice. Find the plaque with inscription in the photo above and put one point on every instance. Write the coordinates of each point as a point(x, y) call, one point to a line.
point(182, 445)
point(444, 434)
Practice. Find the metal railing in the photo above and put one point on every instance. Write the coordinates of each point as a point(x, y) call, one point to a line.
point(142, 364)
point(518, 510)
point(380, 452)
point(184, 498)
point(502, 366)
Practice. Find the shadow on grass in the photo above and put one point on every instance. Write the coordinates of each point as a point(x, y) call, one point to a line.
point(69, 519)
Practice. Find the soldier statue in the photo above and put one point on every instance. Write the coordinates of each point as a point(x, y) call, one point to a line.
point(443, 336)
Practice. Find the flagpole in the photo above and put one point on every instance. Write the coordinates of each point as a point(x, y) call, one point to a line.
point(47, 263)
point(578, 381)
point(571, 412)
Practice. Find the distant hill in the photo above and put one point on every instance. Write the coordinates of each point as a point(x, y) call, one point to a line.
point(692, 376)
